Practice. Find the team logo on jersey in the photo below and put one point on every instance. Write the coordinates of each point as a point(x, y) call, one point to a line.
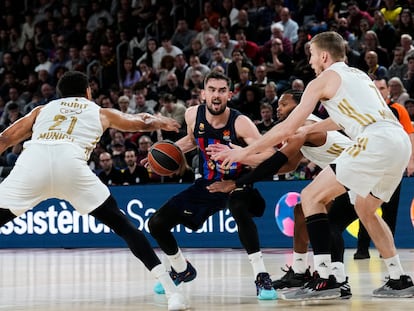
point(226, 135)
point(201, 129)
point(211, 165)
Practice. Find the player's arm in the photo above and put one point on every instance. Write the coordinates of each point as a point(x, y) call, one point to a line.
point(113, 118)
point(19, 130)
point(188, 143)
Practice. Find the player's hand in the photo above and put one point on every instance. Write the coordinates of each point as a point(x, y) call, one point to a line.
point(169, 124)
point(144, 162)
point(229, 156)
point(225, 186)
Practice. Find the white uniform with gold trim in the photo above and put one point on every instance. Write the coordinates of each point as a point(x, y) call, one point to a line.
point(53, 163)
point(381, 149)
point(334, 145)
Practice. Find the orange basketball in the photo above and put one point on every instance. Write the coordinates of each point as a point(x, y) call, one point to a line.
point(165, 157)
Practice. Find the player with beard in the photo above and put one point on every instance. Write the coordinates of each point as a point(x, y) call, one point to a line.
point(214, 123)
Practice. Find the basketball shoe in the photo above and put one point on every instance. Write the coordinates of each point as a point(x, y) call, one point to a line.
point(187, 275)
point(292, 279)
point(318, 288)
point(401, 288)
point(264, 289)
point(345, 289)
point(177, 302)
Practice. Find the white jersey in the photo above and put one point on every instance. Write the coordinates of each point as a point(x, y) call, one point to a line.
point(357, 102)
point(69, 120)
point(53, 163)
point(334, 145)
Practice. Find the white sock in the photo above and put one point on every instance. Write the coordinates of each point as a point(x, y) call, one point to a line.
point(338, 270)
point(300, 262)
point(394, 267)
point(178, 261)
point(322, 264)
point(164, 278)
point(256, 260)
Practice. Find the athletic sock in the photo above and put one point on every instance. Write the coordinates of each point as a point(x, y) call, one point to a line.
point(178, 261)
point(300, 262)
point(256, 260)
point(338, 270)
point(394, 267)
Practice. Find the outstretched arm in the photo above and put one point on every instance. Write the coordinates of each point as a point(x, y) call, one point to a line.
point(136, 122)
point(19, 130)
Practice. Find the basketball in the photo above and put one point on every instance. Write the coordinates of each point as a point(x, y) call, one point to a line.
point(164, 158)
point(284, 216)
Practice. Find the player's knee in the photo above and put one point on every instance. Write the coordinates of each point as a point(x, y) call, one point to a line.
point(155, 224)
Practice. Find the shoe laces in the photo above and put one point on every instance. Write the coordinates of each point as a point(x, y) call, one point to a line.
point(263, 280)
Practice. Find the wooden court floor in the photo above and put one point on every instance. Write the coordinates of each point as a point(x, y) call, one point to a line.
point(112, 279)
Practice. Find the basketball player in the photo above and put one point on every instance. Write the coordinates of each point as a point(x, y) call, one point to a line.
point(63, 134)
point(368, 169)
point(211, 123)
point(322, 149)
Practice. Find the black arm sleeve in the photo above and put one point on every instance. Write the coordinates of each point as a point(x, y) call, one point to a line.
point(264, 170)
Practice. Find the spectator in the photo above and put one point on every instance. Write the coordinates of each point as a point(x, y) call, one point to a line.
point(409, 78)
point(372, 44)
point(196, 50)
point(195, 99)
point(249, 48)
point(409, 105)
point(172, 87)
point(289, 25)
point(137, 45)
point(407, 46)
point(123, 103)
point(359, 42)
point(244, 81)
point(218, 59)
point(108, 69)
point(243, 24)
point(181, 67)
point(183, 35)
point(195, 65)
point(260, 77)
point(267, 121)
point(166, 67)
point(355, 16)
point(238, 61)
point(210, 43)
point(391, 11)
point(405, 23)
point(277, 33)
point(375, 70)
point(133, 174)
point(109, 175)
point(397, 92)
point(166, 48)
point(142, 105)
point(267, 15)
point(144, 143)
point(298, 85)
point(97, 13)
point(385, 32)
point(248, 102)
point(161, 26)
point(279, 65)
point(75, 62)
point(270, 96)
point(175, 110)
point(226, 44)
point(205, 29)
point(43, 61)
point(208, 14)
point(10, 115)
point(398, 68)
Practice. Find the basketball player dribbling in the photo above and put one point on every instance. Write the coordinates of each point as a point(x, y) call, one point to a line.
point(213, 122)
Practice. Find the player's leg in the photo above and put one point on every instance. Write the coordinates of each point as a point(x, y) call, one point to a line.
point(315, 197)
point(364, 241)
point(238, 205)
point(390, 209)
point(298, 274)
point(109, 214)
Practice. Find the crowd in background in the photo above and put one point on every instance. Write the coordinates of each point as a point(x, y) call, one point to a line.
point(152, 55)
